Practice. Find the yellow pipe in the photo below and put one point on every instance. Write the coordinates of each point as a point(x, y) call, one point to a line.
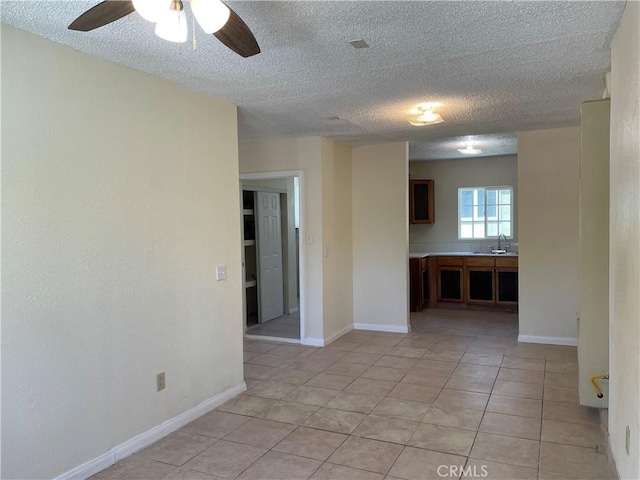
point(595, 385)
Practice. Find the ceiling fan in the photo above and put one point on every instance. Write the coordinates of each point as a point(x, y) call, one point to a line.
point(171, 24)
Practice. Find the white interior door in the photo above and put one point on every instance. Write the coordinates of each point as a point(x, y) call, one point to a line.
point(270, 255)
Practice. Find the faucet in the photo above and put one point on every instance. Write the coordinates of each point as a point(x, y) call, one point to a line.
point(505, 240)
point(500, 249)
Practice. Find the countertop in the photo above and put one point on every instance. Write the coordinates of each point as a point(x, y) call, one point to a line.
point(462, 254)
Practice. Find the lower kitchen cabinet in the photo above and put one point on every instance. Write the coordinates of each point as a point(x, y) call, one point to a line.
point(507, 286)
point(449, 284)
point(480, 280)
point(450, 279)
point(480, 285)
point(488, 280)
point(492, 281)
point(507, 281)
point(419, 281)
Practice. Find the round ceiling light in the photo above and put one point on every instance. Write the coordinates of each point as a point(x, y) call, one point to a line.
point(469, 150)
point(427, 116)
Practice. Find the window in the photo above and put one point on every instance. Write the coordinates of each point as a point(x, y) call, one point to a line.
point(485, 212)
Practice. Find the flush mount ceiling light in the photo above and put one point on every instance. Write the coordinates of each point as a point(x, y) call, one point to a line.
point(469, 150)
point(426, 115)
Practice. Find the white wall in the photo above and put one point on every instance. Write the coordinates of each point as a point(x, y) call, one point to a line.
point(336, 238)
point(120, 196)
point(624, 244)
point(298, 154)
point(548, 234)
point(448, 176)
point(380, 184)
point(593, 327)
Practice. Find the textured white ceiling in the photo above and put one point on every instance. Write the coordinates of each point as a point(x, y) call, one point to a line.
point(444, 148)
point(496, 67)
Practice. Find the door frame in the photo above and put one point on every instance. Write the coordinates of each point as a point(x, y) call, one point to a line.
point(301, 235)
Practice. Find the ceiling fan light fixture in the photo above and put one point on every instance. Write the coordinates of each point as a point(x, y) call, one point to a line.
point(211, 15)
point(151, 10)
point(469, 150)
point(172, 24)
point(427, 117)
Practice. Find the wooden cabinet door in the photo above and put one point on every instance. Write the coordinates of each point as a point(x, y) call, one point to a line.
point(507, 286)
point(450, 284)
point(421, 207)
point(480, 285)
point(419, 283)
point(415, 287)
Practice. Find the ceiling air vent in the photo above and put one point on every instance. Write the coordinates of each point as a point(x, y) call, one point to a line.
point(359, 44)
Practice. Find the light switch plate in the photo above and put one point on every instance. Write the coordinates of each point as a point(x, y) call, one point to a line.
point(221, 272)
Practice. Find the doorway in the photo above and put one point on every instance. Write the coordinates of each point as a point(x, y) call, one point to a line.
point(272, 256)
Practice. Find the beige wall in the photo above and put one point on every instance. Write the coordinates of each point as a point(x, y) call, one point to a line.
point(299, 154)
point(120, 197)
point(448, 176)
point(548, 233)
point(380, 237)
point(336, 239)
point(624, 244)
point(593, 327)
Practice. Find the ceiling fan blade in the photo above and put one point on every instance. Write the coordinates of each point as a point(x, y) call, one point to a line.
point(236, 35)
point(102, 14)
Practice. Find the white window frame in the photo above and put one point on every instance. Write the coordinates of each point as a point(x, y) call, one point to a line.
point(481, 218)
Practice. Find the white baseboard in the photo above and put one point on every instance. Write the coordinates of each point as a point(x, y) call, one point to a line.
point(568, 341)
point(145, 439)
point(293, 310)
point(381, 328)
point(312, 342)
point(338, 334)
point(611, 458)
point(271, 339)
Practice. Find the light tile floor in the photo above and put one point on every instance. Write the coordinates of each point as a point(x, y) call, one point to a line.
point(458, 392)
point(287, 326)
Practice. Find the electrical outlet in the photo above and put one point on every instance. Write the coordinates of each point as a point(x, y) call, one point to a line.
point(160, 381)
point(627, 440)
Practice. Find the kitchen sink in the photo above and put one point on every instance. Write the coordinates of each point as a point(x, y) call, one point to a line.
point(508, 254)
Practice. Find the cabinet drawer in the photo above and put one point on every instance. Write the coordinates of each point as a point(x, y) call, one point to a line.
point(424, 262)
point(480, 261)
point(453, 261)
point(506, 261)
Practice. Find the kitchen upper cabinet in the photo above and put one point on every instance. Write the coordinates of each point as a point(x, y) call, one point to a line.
point(421, 206)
